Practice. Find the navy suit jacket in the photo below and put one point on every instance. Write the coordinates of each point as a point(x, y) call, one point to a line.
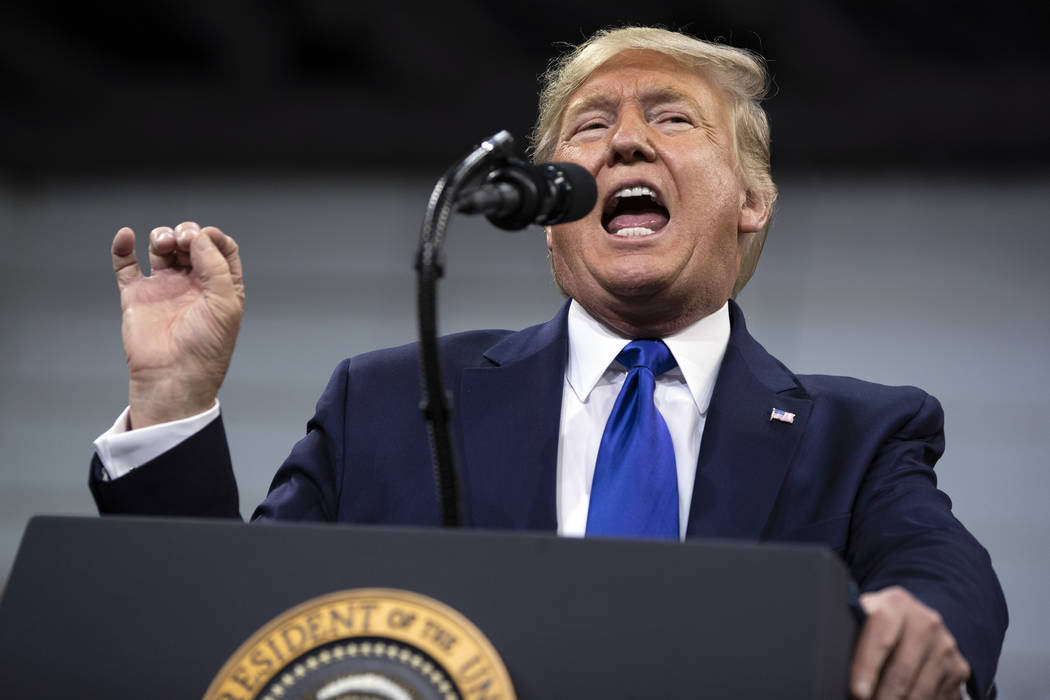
point(853, 471)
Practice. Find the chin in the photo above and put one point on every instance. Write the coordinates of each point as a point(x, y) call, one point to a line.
point(635, 278)
point(636, 288)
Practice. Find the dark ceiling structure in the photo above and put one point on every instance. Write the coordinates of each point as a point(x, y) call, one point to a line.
point(235, 85)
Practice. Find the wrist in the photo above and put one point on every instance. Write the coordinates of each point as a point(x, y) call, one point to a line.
point(150, 403)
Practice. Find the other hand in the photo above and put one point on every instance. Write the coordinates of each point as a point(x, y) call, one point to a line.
point(180, 323)
point(905, 651)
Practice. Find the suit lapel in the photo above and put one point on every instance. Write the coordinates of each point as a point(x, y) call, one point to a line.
point(744, 455)
point(510, 410)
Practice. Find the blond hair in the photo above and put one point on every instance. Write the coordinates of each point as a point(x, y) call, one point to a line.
point(740, 74)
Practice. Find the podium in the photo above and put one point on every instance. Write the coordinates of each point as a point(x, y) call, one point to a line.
point(122, 607)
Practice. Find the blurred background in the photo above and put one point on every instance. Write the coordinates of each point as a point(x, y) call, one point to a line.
point(910, 244)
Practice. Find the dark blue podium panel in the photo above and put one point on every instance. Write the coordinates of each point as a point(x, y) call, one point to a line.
point(152, 607)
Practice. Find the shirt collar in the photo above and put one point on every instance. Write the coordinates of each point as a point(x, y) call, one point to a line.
point(698, 348)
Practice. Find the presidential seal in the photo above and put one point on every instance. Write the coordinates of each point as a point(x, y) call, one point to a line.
point(365, 644)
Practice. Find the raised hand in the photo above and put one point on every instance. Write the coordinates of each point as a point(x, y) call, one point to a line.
point(180, 323)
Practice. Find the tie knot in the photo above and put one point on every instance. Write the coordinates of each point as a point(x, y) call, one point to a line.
point(652, 354)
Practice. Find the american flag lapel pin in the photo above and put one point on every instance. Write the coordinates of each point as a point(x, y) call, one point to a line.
point(782, 416)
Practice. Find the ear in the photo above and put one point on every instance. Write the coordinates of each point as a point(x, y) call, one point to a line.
point(548, 231)
point(754, 212)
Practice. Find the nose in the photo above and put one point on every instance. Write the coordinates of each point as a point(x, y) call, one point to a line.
point(631, 140)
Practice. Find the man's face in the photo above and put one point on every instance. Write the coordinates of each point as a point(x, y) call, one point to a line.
point(662, 247)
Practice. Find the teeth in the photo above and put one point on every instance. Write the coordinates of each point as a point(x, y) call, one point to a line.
point(634, 231)
point(640, 191)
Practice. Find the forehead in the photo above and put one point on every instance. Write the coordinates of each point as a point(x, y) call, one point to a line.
point(645, 75)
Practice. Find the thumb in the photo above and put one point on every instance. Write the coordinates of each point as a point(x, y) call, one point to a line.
point(210, 266)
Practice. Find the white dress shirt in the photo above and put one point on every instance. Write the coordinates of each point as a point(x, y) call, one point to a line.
point(120, 450)
point(593, 379)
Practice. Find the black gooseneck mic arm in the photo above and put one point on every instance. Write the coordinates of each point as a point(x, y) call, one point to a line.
point(512, 194)
point(429, 268)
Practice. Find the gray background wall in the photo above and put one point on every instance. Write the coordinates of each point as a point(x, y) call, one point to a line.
point(910, 246)
point(902, 280)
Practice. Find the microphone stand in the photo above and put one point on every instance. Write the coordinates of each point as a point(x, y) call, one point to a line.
point(429, 268)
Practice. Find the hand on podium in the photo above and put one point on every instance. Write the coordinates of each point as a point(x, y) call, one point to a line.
point(905, 650)
point(179, 323)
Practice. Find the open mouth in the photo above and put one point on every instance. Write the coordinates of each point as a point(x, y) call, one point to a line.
point(634, 211)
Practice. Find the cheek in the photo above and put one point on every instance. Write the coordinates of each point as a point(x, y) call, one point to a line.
point(562, 272)
point(715, 207)
point(567, 247)
point(589, 155)
point(557, 242)
point(565, 238)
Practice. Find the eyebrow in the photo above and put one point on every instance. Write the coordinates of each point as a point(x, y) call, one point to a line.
point(597, 101)
point(654, 96)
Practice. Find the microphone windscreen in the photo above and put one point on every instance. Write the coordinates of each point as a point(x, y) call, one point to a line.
point(580, 188)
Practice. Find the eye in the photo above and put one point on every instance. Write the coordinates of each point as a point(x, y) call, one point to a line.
point(675, 119)
point(591, 125)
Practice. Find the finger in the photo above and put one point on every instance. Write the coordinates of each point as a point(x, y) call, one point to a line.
point(161, 248)
point(934, 682)
point(911, 666)
point(211, 267)
point(229, 249)
point(876, 642)
point(125, 264)
point(939, 659)
point(184, 234)
point(955, 672)
point(950, 691)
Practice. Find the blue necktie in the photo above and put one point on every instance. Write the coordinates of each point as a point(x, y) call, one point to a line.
point(635, 486)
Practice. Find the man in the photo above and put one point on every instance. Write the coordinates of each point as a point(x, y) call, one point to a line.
point(672, 131)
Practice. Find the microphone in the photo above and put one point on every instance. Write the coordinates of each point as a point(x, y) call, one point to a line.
point(516, 194)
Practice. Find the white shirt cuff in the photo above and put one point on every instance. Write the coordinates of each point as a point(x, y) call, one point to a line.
point(120, 450)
